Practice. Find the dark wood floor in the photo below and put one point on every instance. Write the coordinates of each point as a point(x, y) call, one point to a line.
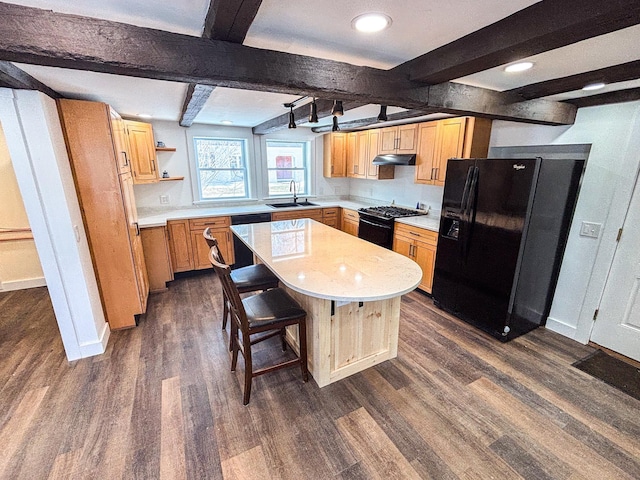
point(162, 403)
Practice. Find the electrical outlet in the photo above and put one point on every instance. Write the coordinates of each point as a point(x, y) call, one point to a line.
point(164, 199)
point(589, 229)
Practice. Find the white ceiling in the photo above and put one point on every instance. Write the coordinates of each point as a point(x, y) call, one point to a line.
point(320, 29)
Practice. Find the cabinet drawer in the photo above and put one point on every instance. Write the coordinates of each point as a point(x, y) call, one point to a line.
point(420, 234)
point(314, 214)
point(213, 222)
point(330, 212)
point(350, 215)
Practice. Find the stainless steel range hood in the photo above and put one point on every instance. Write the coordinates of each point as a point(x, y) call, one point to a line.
point(395, 159)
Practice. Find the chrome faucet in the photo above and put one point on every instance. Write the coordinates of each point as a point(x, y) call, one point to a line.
point(292, 187)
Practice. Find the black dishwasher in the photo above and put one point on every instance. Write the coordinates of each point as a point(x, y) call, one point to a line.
point(243, 255)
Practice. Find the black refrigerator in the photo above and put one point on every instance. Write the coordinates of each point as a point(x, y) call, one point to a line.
point(503, 229)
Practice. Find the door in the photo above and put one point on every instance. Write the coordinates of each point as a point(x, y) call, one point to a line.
point(143, 153)
point(618, 323)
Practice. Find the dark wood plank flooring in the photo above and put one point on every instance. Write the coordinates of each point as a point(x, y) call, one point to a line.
point(162, 403)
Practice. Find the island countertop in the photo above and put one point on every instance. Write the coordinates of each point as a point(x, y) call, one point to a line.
point(322, 262)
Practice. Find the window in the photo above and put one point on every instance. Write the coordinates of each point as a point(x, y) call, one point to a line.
point(221, 168)
point(287, 161)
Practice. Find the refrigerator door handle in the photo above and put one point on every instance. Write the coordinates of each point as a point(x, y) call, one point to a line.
point(465, 190)
point(469, 209)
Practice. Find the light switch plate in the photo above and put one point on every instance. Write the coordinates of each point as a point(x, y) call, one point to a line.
point(164, 199)
point(590, 229)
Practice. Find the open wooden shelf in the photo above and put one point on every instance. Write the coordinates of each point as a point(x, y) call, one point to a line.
point(171, 179)
point(165, 149)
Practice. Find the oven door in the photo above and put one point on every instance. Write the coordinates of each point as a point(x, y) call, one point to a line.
point(376, 232)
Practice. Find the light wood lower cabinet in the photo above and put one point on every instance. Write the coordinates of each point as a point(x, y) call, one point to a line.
point(419, 245)
point(331, 217)
point(155, 243)
point(189, 249)
point(350, 221)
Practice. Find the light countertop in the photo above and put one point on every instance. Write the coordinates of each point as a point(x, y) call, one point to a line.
point(157, 218)
point(322, 262)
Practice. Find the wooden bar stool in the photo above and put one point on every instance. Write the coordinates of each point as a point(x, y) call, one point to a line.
point(253, 278)
point(268, 312)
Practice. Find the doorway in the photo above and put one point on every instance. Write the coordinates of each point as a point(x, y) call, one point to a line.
point(617, 323)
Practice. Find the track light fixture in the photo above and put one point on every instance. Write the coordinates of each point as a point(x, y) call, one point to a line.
point(382, 116)
point(313, 112)
point(292, 119)
point(337, 110)
point(335, 127)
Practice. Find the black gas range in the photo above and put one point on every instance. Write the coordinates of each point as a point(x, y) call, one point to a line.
point(376, 223)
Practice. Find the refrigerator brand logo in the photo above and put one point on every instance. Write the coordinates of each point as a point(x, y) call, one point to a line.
point(519, 167)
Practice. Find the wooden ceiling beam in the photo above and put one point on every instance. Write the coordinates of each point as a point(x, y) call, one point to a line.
point(619, 96)
point(616, 73)
point(364, 122)
point(301, 115)
point(97, 45)
point(227, 20)
point(14, 77)
point(543, 26)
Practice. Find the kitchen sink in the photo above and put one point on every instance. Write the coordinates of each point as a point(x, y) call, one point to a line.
point(292, 204)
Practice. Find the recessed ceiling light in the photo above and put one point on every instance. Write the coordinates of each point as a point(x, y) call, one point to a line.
point(371, 22)
point(144, 115)
point(227, 122)
point(518, 67)
point(593, 86)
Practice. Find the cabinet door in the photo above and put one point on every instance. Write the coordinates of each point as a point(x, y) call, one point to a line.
point(352, 154)
point(350, 227)
point(403, 246)
point(334, 154)
point(426, 153)
point(143, 152)
point(407, 139)
point(374, 145)
point(201, 248)
point(157, 257)
point(362, 154)
point(450, 143)
point(425, 256)
point(126, 183)
point(180, 245)
point(388, 140)
point(120, 142)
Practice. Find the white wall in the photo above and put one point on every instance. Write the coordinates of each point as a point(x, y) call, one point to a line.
point(36, 146)
point(614, 132)
point(177, 163)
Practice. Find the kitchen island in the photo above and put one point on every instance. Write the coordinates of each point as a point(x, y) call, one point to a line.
point(350, 289)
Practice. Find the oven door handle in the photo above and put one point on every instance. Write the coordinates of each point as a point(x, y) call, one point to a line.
point(376, 225)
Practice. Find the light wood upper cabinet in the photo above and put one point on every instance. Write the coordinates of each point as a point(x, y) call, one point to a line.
point(120, 142)
point(362, 154)
point(377, 172)
point(352, 154)
point(461, 137)
point(335, 155)
point(400, 139)
point(143, 152)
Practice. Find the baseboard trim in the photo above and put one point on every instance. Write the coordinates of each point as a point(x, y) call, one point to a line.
point(562, 328)
point(22, 284)
point(99, 347)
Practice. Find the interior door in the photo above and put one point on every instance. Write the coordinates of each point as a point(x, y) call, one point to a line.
point(618, 323)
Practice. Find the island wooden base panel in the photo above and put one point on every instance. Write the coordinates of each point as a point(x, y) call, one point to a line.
point(351, 340)
point(162, 403)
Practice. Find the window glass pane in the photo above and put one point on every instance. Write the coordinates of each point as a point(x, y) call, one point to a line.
point(219, 153)
point(221, 168)
point(222, 184)
point(280, 181)
point(287, 161)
